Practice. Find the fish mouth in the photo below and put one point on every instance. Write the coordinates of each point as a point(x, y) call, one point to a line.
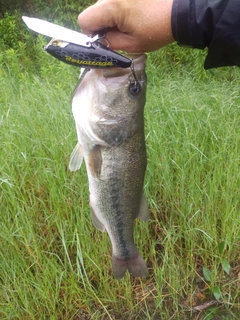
point(137, 57)
point(138, 63)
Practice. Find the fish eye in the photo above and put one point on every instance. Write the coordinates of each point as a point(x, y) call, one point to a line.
point(134, 89)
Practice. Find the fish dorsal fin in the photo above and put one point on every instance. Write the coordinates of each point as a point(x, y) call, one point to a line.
point(96, 221)
point(76, 158)
point(144, 212)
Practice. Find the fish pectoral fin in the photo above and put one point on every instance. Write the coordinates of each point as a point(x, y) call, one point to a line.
point(97, 224)
point(144, 212)
point(95, 161)
point(76, 158)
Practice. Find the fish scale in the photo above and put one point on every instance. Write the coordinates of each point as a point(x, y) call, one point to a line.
point(112, 203)
point(108, 109)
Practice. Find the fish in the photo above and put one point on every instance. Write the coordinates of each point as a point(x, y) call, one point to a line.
point(108, 109)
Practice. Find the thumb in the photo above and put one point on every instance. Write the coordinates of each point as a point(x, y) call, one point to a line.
point(116, 29)
point(92, 19)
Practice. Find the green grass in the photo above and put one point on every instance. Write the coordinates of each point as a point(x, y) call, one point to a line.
point(55, 265)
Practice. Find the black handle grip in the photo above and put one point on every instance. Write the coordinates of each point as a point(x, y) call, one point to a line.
point(95, 56)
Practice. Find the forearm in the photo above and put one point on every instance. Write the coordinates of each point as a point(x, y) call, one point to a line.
point(210, 23)
point(148, 25)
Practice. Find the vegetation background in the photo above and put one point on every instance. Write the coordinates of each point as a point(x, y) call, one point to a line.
point(53, 263)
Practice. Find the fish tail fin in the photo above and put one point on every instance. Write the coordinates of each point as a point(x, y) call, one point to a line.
point(76, 158)
point(119, 267)
point(136, 266)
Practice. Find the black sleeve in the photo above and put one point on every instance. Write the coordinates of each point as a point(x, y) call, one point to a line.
point(209, 23)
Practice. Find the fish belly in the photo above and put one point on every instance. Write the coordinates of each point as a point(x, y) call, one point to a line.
point(116, 192)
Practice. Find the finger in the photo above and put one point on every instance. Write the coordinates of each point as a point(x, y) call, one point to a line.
point(92, 19)
point(122, 41)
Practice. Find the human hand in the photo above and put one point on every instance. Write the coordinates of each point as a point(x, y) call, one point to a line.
point(130, 25)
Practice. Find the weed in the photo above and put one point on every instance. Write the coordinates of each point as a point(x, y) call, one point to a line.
point(54, 264)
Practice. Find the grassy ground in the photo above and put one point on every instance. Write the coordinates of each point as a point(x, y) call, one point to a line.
point(55, 265)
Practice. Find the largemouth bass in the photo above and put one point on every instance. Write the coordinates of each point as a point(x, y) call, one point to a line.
point(108, 108)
